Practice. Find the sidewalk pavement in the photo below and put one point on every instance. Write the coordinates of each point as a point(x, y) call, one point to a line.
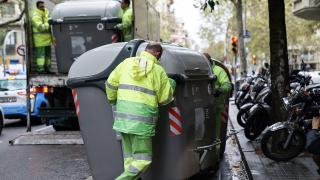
point(48, 136)
point(262, 168)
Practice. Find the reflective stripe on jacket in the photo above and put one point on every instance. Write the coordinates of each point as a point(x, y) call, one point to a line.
point(40, 28)
point(138, 85)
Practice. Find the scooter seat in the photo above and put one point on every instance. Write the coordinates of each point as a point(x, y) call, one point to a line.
point(312, 86)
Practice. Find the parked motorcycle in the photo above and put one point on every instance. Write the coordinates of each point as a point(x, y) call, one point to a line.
point(257, 91)
point(286, 140)
point(259, 116)
point(243, 91)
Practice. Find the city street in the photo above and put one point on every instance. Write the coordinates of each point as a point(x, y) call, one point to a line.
point(159, 90)
point(21, 162)
point(40, 162)
point(60, 162)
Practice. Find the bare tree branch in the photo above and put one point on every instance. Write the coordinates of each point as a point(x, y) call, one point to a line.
point(234, 2)
point(3, 1)
point(13, 20)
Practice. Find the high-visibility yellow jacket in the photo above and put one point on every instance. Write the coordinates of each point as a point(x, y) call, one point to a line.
point(137, 86)
point(222, 84)
point(126, 25)
point(40, 28)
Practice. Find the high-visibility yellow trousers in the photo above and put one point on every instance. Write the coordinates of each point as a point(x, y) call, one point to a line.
point(43, 58)
point(219, 108)
point(137, 155)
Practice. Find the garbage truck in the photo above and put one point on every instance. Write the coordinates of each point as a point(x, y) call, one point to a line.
point(79, 26)
point(184, 145)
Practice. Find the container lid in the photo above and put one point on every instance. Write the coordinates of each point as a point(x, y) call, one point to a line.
point(183, 61)
point(98, 63)
point(95, 61)
point(96, 9)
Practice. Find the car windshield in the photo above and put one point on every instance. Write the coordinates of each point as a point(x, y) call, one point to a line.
point(12, 84)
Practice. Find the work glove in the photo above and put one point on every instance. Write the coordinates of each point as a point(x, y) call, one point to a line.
point(217, 93)
point(118, 27)
point(172, 103)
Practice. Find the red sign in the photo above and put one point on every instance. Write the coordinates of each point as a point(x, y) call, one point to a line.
point(21, 50)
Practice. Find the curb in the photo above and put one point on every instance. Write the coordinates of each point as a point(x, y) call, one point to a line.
point(243, 158)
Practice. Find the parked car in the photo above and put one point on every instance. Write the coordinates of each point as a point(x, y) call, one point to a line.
point(13, 98)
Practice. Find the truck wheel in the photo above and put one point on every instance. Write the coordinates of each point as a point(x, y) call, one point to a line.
point(42, 120)
point(71, 124)
point(59, 128)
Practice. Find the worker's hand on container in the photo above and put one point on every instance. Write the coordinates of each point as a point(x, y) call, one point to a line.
point(118, 27)
point(172, 103)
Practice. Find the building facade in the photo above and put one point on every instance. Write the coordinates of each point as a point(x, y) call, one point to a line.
point(308, 10)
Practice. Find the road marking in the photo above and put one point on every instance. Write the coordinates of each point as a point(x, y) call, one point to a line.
point(44, 128)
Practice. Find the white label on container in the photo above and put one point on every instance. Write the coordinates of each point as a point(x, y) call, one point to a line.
point(100, 26)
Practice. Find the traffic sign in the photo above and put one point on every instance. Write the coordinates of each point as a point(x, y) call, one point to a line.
point(21, 50)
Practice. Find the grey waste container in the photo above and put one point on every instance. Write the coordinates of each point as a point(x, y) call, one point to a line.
point(175, 157)
point(79, 26)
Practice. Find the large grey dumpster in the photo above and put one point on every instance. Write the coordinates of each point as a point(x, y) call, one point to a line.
point(79, 26)
point(175, 157)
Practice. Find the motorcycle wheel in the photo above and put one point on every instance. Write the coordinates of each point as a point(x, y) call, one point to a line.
point(241, 117)
point(272, 144)
point(237, 100)
point(254, 126)
point(237, 105)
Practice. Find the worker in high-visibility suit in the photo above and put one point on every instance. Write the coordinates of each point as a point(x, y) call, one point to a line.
point(126, 25)
point(41, 37)
point(137, 86)
point(222, 92)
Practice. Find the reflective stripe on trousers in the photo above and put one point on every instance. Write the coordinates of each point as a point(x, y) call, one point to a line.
point(137, 153)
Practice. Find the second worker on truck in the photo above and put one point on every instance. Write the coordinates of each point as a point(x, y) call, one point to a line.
point(126, 25)
point(137, 86)
point(41, 37)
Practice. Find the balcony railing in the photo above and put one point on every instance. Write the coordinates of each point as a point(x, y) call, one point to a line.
point(307, 9)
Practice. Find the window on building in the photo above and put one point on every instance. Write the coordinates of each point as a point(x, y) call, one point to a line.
point(11, 44)
point(8, 10)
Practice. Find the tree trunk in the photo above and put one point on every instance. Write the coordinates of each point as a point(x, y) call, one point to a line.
point(278, 57)
point(242, 53)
